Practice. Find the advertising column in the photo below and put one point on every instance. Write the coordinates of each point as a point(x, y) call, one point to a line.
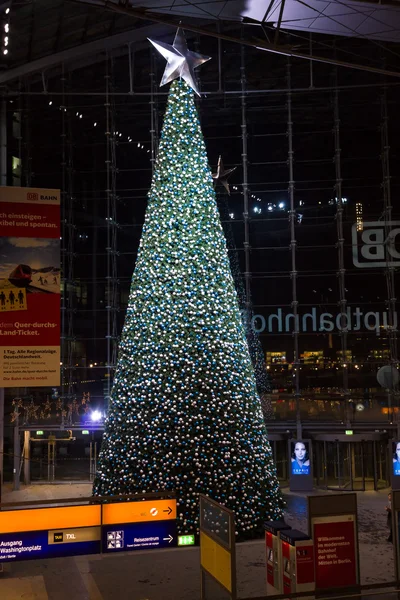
point(29, 287)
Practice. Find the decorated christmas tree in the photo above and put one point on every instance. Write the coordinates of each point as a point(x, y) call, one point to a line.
point(184, 413)
point(262, 377)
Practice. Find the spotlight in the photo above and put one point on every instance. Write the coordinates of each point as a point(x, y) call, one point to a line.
point(96, 416)
point(281, 205)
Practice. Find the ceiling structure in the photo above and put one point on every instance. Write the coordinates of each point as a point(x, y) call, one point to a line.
point(74, 31)
point(371, 20)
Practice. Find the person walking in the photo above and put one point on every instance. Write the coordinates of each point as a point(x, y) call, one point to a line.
point(389, 521)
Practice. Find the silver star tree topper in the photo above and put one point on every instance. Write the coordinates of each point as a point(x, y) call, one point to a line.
point(181, 62)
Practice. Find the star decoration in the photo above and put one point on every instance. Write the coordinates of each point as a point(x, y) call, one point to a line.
point(181, 62)
point(221, 176)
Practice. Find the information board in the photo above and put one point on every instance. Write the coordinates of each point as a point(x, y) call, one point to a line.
point(335, 548)
point(333, 527)
point(36, 533)
point(49, 532)
point(139, 536)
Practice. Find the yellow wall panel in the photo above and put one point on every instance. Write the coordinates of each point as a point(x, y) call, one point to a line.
point(216, 560)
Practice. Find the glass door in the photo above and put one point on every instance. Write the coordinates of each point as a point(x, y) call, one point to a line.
point(319, 465)
point(279, 451)
point(357, 466)
point(345, 465)
point(382, 465)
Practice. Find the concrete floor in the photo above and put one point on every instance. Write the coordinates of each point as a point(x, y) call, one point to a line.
point(174, 574)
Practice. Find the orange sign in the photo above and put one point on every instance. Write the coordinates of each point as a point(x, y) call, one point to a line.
point(137, 512)
point(36, 519)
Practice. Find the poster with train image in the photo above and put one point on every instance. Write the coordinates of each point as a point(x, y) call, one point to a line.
point(29, 287)
point(28, 266)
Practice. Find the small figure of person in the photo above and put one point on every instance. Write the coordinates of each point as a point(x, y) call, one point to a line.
point(41, 280)
point(3, 299)
point(396, 460)
point(45, 282)
point(300, 460)
point(55, 280)
point(20, 297)
point(389, 523)
point(11, 297)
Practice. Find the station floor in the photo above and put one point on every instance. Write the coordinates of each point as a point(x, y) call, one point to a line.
point(174, 574)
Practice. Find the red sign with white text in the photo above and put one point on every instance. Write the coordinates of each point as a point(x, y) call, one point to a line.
point(29, 287)
point(335, 552)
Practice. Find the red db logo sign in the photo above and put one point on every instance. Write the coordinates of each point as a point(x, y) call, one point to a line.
point(32, 196)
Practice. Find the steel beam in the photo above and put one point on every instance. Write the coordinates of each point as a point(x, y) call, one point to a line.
point(138, 34)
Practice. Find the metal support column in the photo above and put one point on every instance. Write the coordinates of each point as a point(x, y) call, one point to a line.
point(391, 330)
point(3, 142)
point(293, 250)
point(245, 190)
point(153, 113)
point(67, 251)
point(27, 457)
point(341, 272)
point(17, 452)
point(112, 225)
point(1, 437)
point(26, 136)
point(3, 181)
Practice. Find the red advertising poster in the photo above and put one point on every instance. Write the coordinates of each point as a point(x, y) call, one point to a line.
point(304, 563)
point(335, 552)
point(29, 287)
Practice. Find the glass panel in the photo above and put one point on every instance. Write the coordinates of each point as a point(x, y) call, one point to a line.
point(72, 461)
point(215, 520)
point(382, 472)
point(370, 466)
point(319, 463)
point(357, 466)
point(279, 450)
point(332, 465)
point(38, 461)
point(345, 466)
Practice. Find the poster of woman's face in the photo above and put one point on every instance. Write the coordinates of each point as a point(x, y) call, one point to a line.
point(396, 458)
point(300, 458)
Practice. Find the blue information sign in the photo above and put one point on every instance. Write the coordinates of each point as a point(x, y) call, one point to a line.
point(49, 544)
point(139, 536)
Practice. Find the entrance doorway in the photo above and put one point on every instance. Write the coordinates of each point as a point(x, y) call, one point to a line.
point(56, 459)
point(356, 465)
point(280, 454)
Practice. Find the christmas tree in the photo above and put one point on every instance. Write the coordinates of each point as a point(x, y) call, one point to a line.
point(262, 377)
point(184, 412)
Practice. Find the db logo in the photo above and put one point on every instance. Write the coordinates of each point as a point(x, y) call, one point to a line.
point(32, 196)
point(374, 246)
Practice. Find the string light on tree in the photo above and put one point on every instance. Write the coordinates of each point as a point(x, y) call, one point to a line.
point(184, 412)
